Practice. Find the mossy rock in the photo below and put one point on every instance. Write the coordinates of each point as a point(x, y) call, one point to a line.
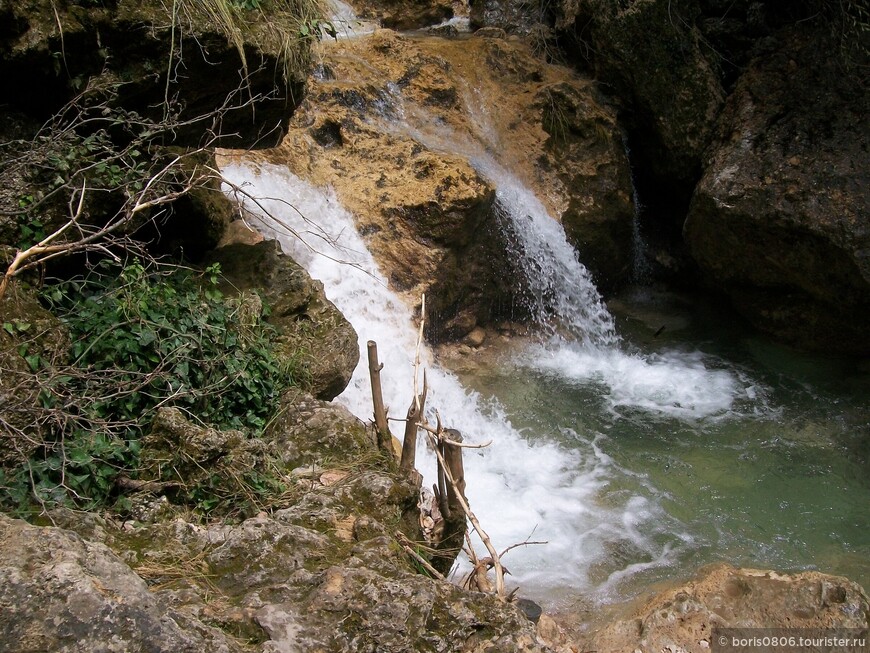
point(308, 431)
point(313, 335)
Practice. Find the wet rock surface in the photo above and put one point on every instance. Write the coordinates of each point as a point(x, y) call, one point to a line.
point(383, 112)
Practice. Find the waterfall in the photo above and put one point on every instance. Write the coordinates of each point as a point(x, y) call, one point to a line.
point(582, 344)
point(518, 488)
point(562, 292)
point(559, 487)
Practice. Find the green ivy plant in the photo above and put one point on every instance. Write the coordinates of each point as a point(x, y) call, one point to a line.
point(142, 338)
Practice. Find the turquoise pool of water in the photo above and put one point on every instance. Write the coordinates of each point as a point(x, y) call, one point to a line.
point(778, 479)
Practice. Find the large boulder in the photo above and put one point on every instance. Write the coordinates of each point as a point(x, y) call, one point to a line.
point(313, 335)
point(683, 618)
point(781, 218)
point(655, 60)
point(61, 593)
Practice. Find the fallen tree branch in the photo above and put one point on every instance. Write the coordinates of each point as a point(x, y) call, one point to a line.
point(475, 523)
point(406, 544)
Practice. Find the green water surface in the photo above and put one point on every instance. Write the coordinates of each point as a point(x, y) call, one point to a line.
point(781, 480)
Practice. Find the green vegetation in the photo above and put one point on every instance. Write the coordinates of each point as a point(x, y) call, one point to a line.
point(143, 336)
point(142, 339)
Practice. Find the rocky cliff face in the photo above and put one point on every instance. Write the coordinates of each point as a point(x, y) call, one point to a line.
point(781, 217)
point(148, 55)
point(775, 175)
point(394, 124)
point(655, 60)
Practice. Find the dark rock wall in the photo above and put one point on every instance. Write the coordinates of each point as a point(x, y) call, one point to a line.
point(49, 52)
point(780, 218)
point(749, 118)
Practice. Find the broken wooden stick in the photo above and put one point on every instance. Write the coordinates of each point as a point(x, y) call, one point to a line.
point(463, 503)
point(409, 443)
point(418, 403)
point(385, 438)
point(406, 544)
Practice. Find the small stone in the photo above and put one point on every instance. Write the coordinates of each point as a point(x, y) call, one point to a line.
point(530, 609)
point(475, 338)
point(332, 477)
point(490, 33)
point(305, 471)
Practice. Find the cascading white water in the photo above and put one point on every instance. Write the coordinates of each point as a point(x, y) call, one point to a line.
point(518, 488)
point(346, 23)
point(562, 291)
point(583, 346)
point(525, 484)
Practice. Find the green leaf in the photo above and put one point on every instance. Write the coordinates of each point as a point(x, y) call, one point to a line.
point(147, 337)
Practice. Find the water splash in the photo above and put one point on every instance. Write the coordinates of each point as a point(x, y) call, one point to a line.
point(521, 488)
point(580, 340)
point(346, 22)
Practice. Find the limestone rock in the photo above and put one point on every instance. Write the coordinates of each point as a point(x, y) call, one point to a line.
point(194, 464)
point(61, 593)
point(653, 57)
point(405, 14)
point(426, 213)
point(781, 218)
point(309, 431)
point(586, 152)
point(177, 449)
point(475, 338)
point(261, 552)
point(294, 582)
point(312, 332)
point(722, 596)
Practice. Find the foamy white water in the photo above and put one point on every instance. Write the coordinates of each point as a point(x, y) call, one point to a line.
point(675, 384)
point(583, 345)
point(516, 487)
point(346, 22)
